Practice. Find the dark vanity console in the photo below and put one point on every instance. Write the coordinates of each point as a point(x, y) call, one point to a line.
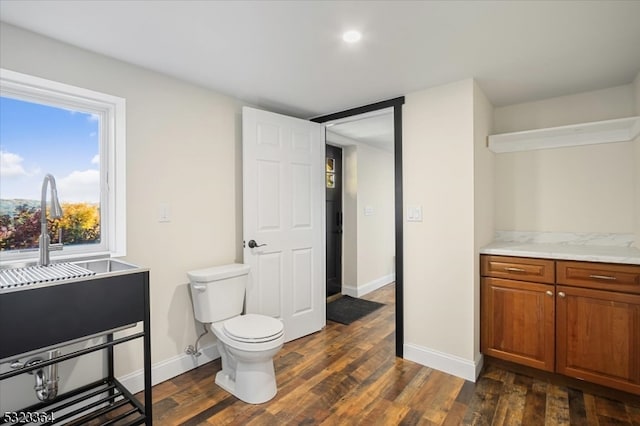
point(46, 317)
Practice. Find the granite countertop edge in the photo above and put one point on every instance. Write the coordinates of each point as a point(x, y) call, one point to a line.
point(587, 253)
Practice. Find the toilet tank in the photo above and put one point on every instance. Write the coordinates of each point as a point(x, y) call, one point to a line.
point(218, 292)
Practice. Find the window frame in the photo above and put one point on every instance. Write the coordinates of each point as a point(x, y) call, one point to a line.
point(112, 112)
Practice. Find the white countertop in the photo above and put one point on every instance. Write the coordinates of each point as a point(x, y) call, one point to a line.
point(588, 253)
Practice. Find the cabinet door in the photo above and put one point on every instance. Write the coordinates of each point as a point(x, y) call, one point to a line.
point(598, 337)
point(518, 322)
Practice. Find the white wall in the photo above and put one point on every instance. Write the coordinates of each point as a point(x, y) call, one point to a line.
point(183, 149)
point(376, 232)
point(439, 252)
point(636, 85)
point(484, 196)
point(368, 240)
point(605, 104)
point(577, 189)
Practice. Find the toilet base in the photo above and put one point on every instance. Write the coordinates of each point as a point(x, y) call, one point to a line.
point(225, 382)
point(254, 389)
point(247, 368)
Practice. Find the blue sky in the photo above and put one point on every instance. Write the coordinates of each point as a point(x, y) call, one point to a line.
point(37, 139)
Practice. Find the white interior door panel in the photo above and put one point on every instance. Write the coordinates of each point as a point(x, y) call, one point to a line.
point(283, 193)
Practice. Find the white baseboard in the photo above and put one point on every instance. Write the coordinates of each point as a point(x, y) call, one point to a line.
point(169, 368)
point(451, 364)
point(368, 287)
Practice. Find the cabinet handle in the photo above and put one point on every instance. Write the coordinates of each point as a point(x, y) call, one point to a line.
point(509, 269)
point(561, 294)
point(549, 293)
point(603, 277)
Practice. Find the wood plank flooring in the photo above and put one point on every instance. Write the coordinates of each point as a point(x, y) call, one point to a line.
point(348, 375)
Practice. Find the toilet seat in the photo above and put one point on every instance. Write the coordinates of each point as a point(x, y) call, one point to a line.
point(253, 328)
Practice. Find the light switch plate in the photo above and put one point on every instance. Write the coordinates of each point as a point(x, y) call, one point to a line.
point(414, 213)
point(164, 213)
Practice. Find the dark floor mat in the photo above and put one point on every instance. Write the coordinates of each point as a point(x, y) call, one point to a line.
point(347, 309)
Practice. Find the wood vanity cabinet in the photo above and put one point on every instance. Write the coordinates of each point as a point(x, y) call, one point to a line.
point(518, 310)
point(583, 321)
point(598, 323)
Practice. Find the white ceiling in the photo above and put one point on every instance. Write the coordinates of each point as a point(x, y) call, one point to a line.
point(288, 56)
point(374, 129)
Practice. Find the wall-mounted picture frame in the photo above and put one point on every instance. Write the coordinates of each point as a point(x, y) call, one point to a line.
point(331, 180)
point(331, 165)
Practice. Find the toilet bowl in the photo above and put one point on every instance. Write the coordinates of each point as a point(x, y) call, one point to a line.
point(247, 343)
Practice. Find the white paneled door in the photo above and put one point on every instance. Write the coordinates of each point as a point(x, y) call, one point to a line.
point(283, 205)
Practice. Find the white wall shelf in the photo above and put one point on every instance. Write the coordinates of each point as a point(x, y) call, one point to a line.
point(618, 130)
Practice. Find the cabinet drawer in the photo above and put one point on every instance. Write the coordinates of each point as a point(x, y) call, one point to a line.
point(518, 268)
point(603, 276)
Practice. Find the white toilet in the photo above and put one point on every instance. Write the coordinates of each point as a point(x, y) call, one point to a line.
point(247, 343)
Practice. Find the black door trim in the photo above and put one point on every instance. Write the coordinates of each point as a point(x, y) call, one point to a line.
point(396, 103)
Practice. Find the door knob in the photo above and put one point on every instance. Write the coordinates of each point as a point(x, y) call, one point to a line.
point(253, 244)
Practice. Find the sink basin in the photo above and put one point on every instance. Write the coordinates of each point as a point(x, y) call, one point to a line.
point(105, 266)
point(27, 274)
point(63, 309)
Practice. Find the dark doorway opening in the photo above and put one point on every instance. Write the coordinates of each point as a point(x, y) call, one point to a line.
point(333, 190)
point(396, 104)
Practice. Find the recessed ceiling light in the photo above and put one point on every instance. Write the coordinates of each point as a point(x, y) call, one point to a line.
point(352, 36)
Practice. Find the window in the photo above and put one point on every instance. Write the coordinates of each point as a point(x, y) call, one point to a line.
point(78, 136)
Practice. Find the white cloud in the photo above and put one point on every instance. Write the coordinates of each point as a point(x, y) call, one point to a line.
point(95, 159)
point(80, 186)
point(11, 165)
point(92, 134)
point(93, 117)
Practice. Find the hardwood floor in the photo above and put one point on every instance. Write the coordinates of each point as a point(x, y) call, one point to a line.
point(349, 375)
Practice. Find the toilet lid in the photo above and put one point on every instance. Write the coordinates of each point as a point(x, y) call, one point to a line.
point(253, 328)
